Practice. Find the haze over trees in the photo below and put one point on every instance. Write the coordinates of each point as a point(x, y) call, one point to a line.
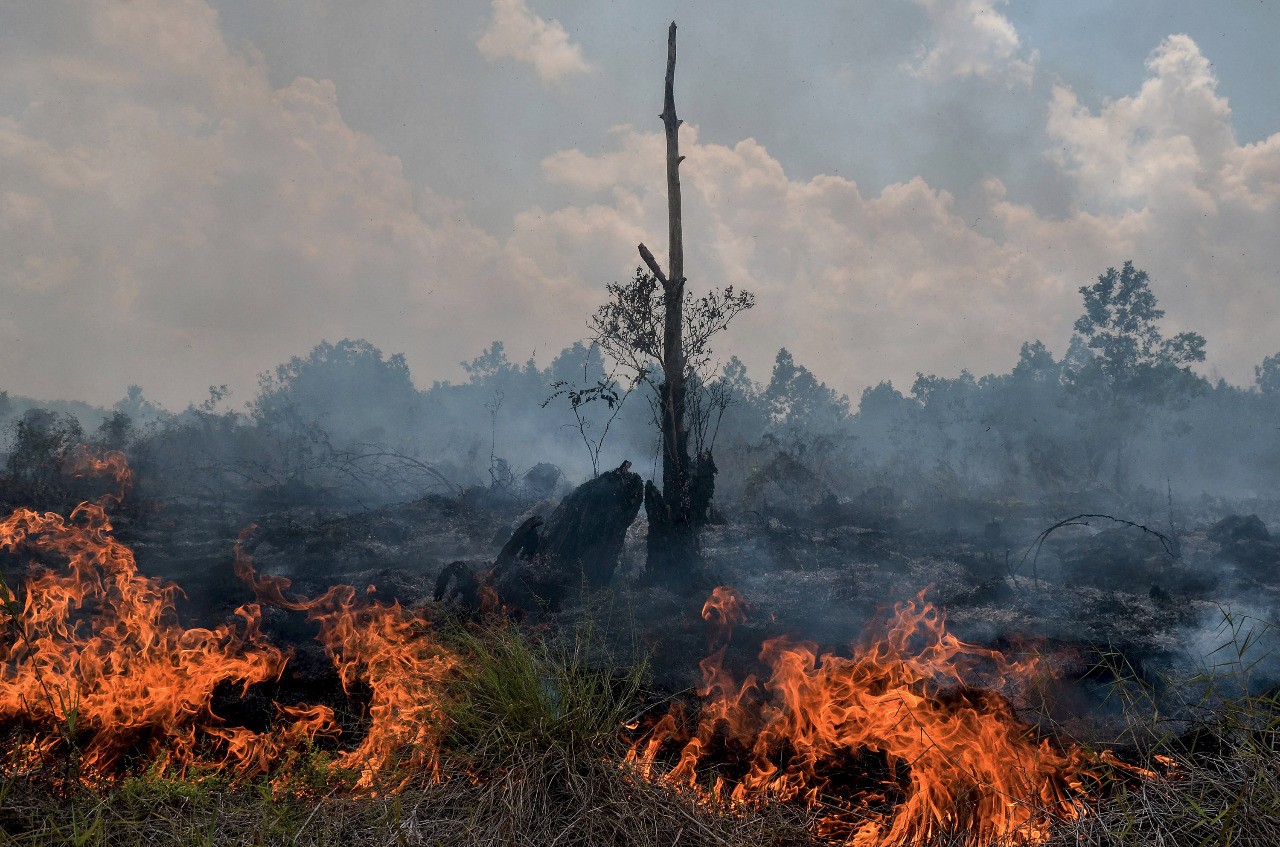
point(1119, 412)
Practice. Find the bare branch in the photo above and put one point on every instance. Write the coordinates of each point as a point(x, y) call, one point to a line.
point(652, 263)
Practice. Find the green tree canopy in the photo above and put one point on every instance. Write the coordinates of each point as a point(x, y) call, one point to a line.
point(347, 389)
point(1131, 357)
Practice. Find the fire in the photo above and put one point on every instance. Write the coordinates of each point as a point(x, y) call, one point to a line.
point(98, 662)
point(893, 744)
point(113, 464)
point(97, 667)
point(386, 647)
point(949, 758)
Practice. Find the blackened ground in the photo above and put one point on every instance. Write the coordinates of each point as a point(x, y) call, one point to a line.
point(1103, 600)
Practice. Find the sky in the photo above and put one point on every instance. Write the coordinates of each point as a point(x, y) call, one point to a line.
point(193, 191)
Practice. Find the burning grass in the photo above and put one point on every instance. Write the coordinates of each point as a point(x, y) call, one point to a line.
point(492, 734)
point(892, 745)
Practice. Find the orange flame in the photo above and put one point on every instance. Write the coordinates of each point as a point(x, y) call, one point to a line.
point(723, 611)
point(113, 463)
point(957, 760)
point(893, 744)
point(97, 664)
point(98, 653)
point(385, 646)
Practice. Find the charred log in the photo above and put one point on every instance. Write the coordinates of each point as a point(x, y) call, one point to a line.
point(458, 582)
point(703, 489)
point(585, 534)
point(524, 542)
point(470, 584)
point(543, 561)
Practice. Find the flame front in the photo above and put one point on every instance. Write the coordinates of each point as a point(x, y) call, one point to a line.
point(97, 658)
point(955, 759)
point(387, 648)
point(893, 744)
point(96, 664)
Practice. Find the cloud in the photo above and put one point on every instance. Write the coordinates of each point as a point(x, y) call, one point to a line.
point(858, 287)
point(515, 32)
point(970, 38)
point(865, 287)
point(1168, 142)
point(169, 217)
point(1160, 177)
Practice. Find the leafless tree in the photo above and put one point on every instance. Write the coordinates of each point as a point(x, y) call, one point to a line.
point(659, 331)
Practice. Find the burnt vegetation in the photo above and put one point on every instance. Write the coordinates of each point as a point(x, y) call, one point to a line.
point(1096, 524)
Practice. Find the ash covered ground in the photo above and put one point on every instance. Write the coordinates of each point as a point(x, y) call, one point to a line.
point(1102, 599)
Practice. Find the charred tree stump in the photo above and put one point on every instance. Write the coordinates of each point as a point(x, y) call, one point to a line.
point(673, 553)
point(703, 489)
point(544, 560)
point(585, 534)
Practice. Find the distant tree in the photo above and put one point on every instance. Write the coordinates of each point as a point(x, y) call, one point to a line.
point(578, 362)
point(115, 432)
point(348, 391)
point(342, 413)
point(139, 409)
point(1267, 376)
point(736, 390)
point(40, 442)
point(1133, 367)
point(797, 400)
point(881, 400)
point(734, 375)
point(490, 364)
point(1036, 364)
point(1133, 360)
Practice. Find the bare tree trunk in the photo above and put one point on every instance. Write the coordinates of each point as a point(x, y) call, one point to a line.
point(673, 543)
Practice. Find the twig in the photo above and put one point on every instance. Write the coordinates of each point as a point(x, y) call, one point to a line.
point(1082, 520)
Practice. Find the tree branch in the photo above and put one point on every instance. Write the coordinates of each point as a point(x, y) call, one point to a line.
point(654, 267)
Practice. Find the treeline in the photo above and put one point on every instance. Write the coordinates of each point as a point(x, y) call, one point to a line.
point(1120, 413)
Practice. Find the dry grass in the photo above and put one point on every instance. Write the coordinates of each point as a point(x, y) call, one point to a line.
point(537, 801)
point(1220, 786)
point(1216, 746)
point(534, 758)
point(534, 753)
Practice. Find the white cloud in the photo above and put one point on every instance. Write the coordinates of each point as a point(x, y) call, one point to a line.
point(866, 287)
point(859, 288)
point(515, 32)
point(169, 217)
point(970, 38)
point(1171, 140)
point(1161, 178)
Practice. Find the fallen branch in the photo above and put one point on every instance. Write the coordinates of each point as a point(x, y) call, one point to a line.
point(1083, 520)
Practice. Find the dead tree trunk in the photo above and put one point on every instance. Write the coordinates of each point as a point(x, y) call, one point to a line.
point(673, 541)
point(545, 561)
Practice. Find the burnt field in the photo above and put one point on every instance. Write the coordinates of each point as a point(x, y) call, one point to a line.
point(1115, 665)
point(1100, 583)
